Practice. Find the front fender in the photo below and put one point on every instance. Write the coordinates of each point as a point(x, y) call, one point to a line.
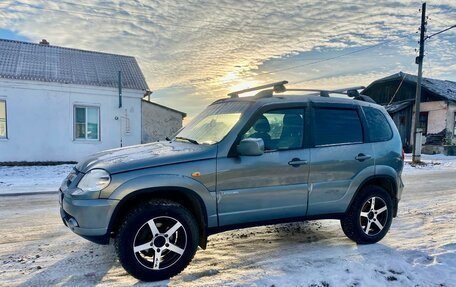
point(165, 182)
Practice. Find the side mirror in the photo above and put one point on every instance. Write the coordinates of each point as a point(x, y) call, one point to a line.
point(251, 146)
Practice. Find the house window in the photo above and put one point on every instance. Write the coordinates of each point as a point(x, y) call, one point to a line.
point(86, 123)
point(3, 131)
point(424, 122)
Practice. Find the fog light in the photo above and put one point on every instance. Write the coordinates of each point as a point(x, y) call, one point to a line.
point(72, 223)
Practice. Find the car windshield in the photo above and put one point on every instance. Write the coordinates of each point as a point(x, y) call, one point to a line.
point(213, 124)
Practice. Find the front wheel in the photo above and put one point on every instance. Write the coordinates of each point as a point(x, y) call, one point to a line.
point(369, 217)
point(157, 240)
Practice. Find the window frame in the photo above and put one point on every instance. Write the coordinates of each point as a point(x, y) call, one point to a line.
point(75, 106)
point(352, 107)
point(454, 124)
point(6, 120)
point(424, 130)
point(269, 108)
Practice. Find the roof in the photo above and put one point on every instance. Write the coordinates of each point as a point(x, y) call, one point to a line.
point(397, 107)
point(443, 88)
point(165, 107)
point(40, 62)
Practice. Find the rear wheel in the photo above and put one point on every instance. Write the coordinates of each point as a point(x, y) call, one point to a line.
point(157, 240)
point(369, 217)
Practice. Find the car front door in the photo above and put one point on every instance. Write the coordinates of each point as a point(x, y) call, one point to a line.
point(274, 184)
point(338, 156)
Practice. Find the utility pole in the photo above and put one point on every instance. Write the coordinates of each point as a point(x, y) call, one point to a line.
point(119, 83)
point(119, 86)
point(416, 157)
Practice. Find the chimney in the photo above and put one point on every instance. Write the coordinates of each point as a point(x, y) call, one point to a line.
point(44, 42)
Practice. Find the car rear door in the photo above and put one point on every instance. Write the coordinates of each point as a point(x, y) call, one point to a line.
point(270, 186)
point(338, 157)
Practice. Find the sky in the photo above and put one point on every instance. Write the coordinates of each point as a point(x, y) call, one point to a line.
point(195, 52)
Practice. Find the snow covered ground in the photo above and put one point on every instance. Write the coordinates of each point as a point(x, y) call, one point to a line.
point(420, 249)
point(31, 179)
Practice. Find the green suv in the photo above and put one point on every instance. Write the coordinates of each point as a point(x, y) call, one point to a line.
point(244, 161)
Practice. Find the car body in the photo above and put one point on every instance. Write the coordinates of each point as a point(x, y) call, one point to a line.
point(259, 172)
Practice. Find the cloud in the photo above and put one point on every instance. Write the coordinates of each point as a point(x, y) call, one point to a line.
point(194, 52)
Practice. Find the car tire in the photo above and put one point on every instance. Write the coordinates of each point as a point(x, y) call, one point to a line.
point(369, 216)
point(157, 240)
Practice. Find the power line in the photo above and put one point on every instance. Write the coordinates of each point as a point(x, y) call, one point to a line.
point(324, 59)
point(318, 61)
point(225, 84)
point(439, 32)
point(301, 60)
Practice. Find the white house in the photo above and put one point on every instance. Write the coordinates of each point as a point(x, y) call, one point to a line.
point(62, 104)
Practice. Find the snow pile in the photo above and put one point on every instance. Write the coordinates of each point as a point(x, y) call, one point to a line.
point(434, 162)
point(30, 179)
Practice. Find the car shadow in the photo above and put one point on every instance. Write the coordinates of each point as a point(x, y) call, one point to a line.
point(86, 265)
point(303, 251)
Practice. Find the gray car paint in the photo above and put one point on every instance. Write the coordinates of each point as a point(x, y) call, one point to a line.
point(243, 188)
point(265, 187)
point(146, 156)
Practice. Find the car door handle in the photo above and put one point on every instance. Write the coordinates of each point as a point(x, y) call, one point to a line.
point(297, 162)
point(362, 157)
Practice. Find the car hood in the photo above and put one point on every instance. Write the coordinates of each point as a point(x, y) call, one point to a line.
point(145, 156)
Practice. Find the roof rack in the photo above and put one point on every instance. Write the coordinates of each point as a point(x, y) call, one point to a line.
point(279, 87)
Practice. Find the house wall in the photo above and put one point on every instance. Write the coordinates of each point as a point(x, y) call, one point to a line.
point(403, 121)
point(158, 122)
point(40, 120)
point(437, 115)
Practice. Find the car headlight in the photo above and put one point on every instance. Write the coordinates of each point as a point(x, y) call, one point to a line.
point(95, 180)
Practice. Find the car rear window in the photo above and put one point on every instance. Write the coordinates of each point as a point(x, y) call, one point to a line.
point(378, 126)
point(337, 126)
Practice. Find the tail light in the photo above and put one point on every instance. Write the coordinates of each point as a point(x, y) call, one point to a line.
point(403, 155)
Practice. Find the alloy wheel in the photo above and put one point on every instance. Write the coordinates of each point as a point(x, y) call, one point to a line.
point(373, 216)
point(160, 242)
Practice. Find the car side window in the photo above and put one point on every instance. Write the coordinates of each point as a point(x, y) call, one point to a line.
point(379, 128)
point(280, 129)
point(337, 126)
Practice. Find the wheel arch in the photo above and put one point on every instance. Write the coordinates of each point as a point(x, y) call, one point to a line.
point(186, 197)
point(387, 182)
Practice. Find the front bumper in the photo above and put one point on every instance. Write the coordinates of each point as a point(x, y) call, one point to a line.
point(88, 218)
